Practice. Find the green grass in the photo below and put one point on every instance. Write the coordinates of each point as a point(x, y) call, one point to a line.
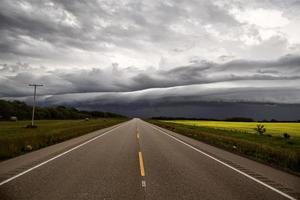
point(14, 137)
point(275, 129)
point(239, 138)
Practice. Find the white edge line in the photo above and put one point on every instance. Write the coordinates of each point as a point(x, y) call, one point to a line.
point(229, 166)
point(57, 156)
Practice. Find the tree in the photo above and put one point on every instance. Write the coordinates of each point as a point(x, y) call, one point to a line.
point(22, 111)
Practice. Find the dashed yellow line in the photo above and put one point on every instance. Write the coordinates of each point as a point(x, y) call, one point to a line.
point(138, 136)
point(141, 164)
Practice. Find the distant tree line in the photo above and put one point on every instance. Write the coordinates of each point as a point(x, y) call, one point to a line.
point(232, 119)
point(23, 111)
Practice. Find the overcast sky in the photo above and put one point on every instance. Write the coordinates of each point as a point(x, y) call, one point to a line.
point(133, 51)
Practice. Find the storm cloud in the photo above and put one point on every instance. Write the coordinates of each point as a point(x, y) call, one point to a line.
point(111, 54)
point(281, 73)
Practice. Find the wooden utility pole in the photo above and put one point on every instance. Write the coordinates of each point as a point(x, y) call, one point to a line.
point(34, 95)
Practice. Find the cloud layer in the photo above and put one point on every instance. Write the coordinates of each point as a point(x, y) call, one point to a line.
point(239, 76)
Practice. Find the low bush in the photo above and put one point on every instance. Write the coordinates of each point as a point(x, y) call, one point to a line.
point(286, 136)
point(260, 129)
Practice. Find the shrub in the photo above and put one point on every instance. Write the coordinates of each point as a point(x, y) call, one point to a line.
point(260, 129)
point(28, 147)
point(286, 136)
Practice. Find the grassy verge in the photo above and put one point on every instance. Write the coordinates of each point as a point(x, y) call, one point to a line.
point(15, 139)
point(273, 150)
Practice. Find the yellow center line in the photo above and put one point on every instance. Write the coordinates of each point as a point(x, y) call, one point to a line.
point(141, 164)
point(138, 136)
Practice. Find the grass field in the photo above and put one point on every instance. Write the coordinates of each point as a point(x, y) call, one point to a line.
point(15, 139)
point(274, 129)
point(240, 137)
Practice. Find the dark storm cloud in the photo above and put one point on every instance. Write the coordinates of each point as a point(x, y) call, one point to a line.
point(90, 32)
point(287, 68)
point(42, 31)
point(218, 103)
point(206, 110)
point(26, 26)
point(14, 77)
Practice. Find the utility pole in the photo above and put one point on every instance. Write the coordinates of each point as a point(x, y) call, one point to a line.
point(33, 107)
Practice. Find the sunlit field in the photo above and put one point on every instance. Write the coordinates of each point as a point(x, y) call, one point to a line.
point(278, 146)
point(275, 129)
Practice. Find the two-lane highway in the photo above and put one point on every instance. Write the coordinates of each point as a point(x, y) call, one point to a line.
point(137, 161)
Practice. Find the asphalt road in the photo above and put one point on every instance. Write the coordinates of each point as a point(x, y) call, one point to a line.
point(137, 160)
